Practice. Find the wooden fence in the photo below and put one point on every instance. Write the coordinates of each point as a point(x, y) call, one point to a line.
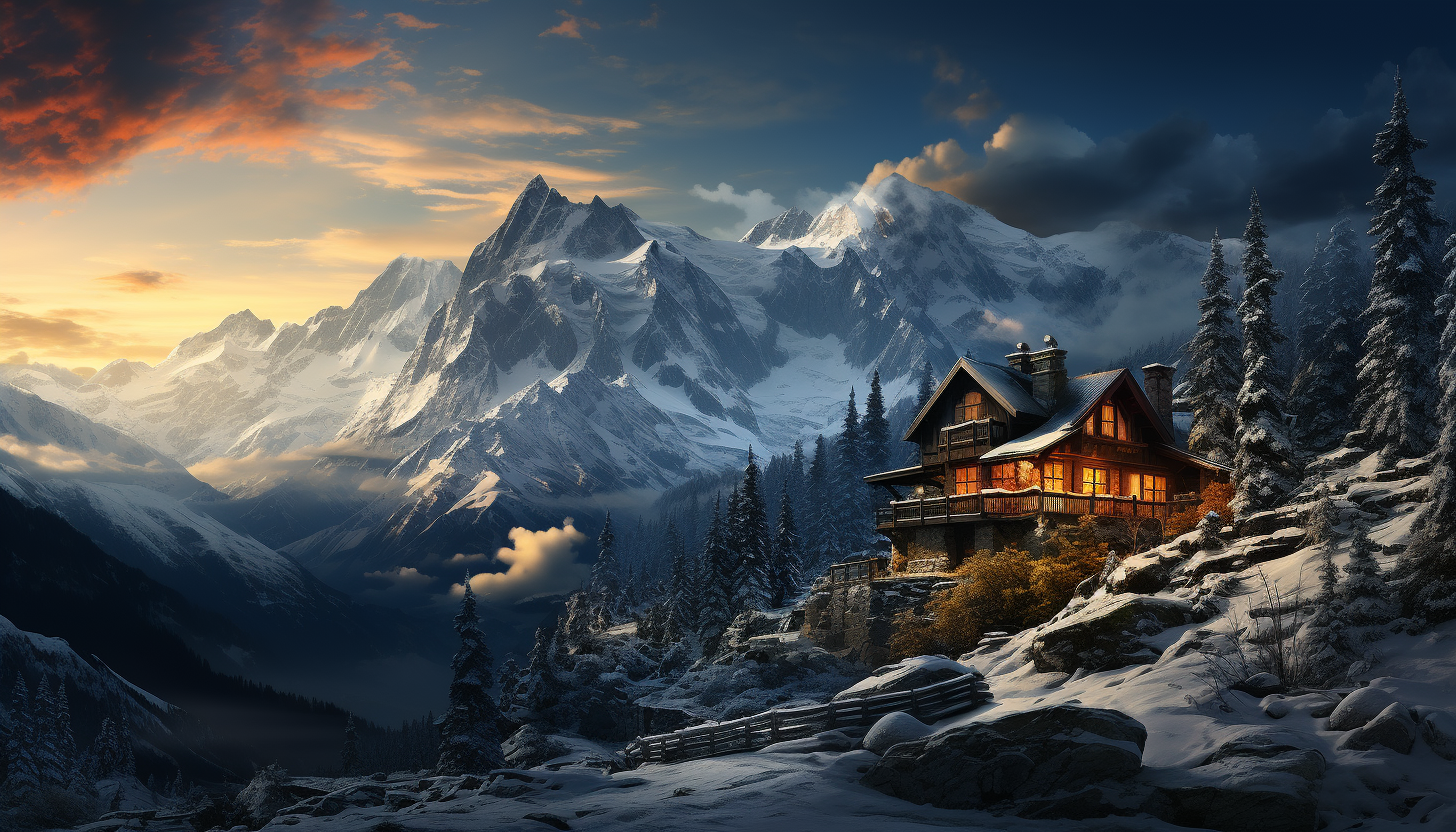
point(929, 703)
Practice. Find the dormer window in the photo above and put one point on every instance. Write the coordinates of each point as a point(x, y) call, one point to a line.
point(1108, 421)
point(970, 408)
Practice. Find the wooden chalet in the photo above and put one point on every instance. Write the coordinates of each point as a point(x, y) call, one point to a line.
point(1006, 449)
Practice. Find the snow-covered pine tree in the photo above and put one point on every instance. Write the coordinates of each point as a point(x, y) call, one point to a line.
point(1363, 595)
point(509, 680)
point(925, 387)
point(1326, 648)
point(541, 687)
point(852, 503)
point(796, 468)
point(576, 625)
point(1330, 333)
point(754, 579)
point(22, 775)
point(606, 586)
point(1398, 393)
point(470, 740)
point(66, 736)
point(788, 554)
point(876, 429)
point(818, 511)
point(1264, 461)
point(50, 767)
point(717, 603)
point(349, 755)
point(1217, 370)
point(682, 602)
point(1424, 577)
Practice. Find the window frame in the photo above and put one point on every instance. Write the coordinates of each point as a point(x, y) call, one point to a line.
point(973, 480)
point(968, 411)
point(1099, 477)
point(1054, 482)
point(1003, 476)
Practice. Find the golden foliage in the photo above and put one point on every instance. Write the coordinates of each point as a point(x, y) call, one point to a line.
point(1008, 588)
point(1216, 498)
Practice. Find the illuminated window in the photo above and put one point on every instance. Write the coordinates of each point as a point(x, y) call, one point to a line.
point(1054, 477)
point(1091, 427)
point(1122, 427)
point(965, 479)
point(1094, 480)
point(1107, 421)
point(970, 408)
point(1004, 476)
point(1150, 487)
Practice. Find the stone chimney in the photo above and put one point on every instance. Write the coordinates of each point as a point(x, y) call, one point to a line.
point(1048, 373)
point(1158, 384)
point(1021, 359)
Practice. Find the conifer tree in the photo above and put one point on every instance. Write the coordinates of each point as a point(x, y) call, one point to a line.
point(852, 503)
point(470, 740)
point(876, 429)
point(682, 618)
point(1325, 645)
point(1330, 333)
point(1425, 573)
point(542, 687)
point(796, 468)
point(754, 543)
point(65, 736)
point(819, 513)
point(606, 588)
point(50, 767)
point(1362, 593)
point(788, 554)
point(1398, 394)
point(1263, 463)
point(510, 679)
point(22, 775)
point(717, 607)
point(1217, 371)
point(349, 756)
point(926, 387)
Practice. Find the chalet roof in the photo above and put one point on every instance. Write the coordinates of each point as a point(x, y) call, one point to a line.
point(1010, 387)
point(899, 476)
point(1076, 402)
point(1186, 456)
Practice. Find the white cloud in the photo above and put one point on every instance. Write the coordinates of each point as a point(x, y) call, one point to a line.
point(537, 563)
point(757, 205)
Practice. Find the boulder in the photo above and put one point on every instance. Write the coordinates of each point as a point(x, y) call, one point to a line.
point(909, 674)
point(1316, 705)
point(1359, 708)
point(1438, 729)
point(893, 729)
point(1107, 634)
point(1392, 728)
point(529, 747)
point(1260, 685)
point(1253, 783)
point(1047, 763)
point(831, 741)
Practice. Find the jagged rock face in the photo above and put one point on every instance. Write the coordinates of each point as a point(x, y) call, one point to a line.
point(1253, 783)
point(789, 225)
point(1107, 634)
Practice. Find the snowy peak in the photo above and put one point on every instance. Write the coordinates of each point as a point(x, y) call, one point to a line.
point(790, 225)
point(542, 219)
point(242, 329)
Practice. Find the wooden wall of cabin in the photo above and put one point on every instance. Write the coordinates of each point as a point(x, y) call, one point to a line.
point(942, 412)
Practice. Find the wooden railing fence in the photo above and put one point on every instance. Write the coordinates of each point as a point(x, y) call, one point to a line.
point(929, 703)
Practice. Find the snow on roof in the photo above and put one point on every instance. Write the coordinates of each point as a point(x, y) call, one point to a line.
point(1008, 386)
point(1080, 394)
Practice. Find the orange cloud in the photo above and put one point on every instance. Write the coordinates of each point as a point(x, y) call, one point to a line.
point(139, 280)
point(85, 86)
point(570, 26)
point(502, 116)
point(19, 331)
point(409, 21)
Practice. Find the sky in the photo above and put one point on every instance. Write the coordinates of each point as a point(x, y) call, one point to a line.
point(164, 164)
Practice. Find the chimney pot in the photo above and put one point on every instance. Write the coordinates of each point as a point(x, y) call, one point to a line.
point(1048, 373)
point(1021, 359)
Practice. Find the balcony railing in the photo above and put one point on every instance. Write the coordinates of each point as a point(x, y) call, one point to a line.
point(966, 440)
point(960, 508)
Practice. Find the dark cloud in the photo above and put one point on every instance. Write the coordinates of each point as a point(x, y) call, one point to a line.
point(87, 84)
point(140, 280)
point(1179, 174)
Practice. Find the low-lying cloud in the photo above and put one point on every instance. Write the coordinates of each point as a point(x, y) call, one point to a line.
point(139, 280)
point(757, 205)
point(537, 563)
point(224, 472)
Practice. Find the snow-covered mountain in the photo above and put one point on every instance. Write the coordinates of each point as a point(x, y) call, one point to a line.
point(129, 499)
point(248, 385)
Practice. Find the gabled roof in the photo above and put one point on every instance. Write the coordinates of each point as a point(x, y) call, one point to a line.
point(1010, 387)
point(1074, 406)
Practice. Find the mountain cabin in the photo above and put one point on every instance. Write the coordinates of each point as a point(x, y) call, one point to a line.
point(1005, 450)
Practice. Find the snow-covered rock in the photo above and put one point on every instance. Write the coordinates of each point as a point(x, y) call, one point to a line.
point(1108, 633)
point(907, 674)
point(1359, 708)
point(1438, 729)
point(1253, 783)
point(1392, 728)
point(893, 729)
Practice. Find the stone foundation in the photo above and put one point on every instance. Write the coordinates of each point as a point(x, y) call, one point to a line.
point(855, 621)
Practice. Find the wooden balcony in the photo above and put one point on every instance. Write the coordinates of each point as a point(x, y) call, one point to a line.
point(967, 440)
point(989, 505)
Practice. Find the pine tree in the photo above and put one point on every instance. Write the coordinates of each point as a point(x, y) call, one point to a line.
point(796, 468)
point(606, 587)
point(1217, 371)
point(1330, 333)
point(1398, 394)
point(926, 387)
point(1425, 573)
point(50, 767)
point(1325, 644)
point(1263, 464)
point(65, 741)
point(717, 606)
point(876, 429)
point(542, 687)
point(819, 511)
point(349, 756)
point(682, 602)
point(575, 628)
point(510, 680)
point(1362, 593)
point(852, 504)
point(470, 740)
point(22, 776)
point(788, 554)
point(753, 583)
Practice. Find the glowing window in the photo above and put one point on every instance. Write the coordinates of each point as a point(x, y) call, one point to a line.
point(1150, 487)
point(970, 407)
point(1004, 476)
point(1094, 480)
point(1107, 421)
point(1054, 477)
point(966, 479)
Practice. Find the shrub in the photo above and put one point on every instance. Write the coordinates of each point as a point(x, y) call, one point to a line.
point(1215, 498)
